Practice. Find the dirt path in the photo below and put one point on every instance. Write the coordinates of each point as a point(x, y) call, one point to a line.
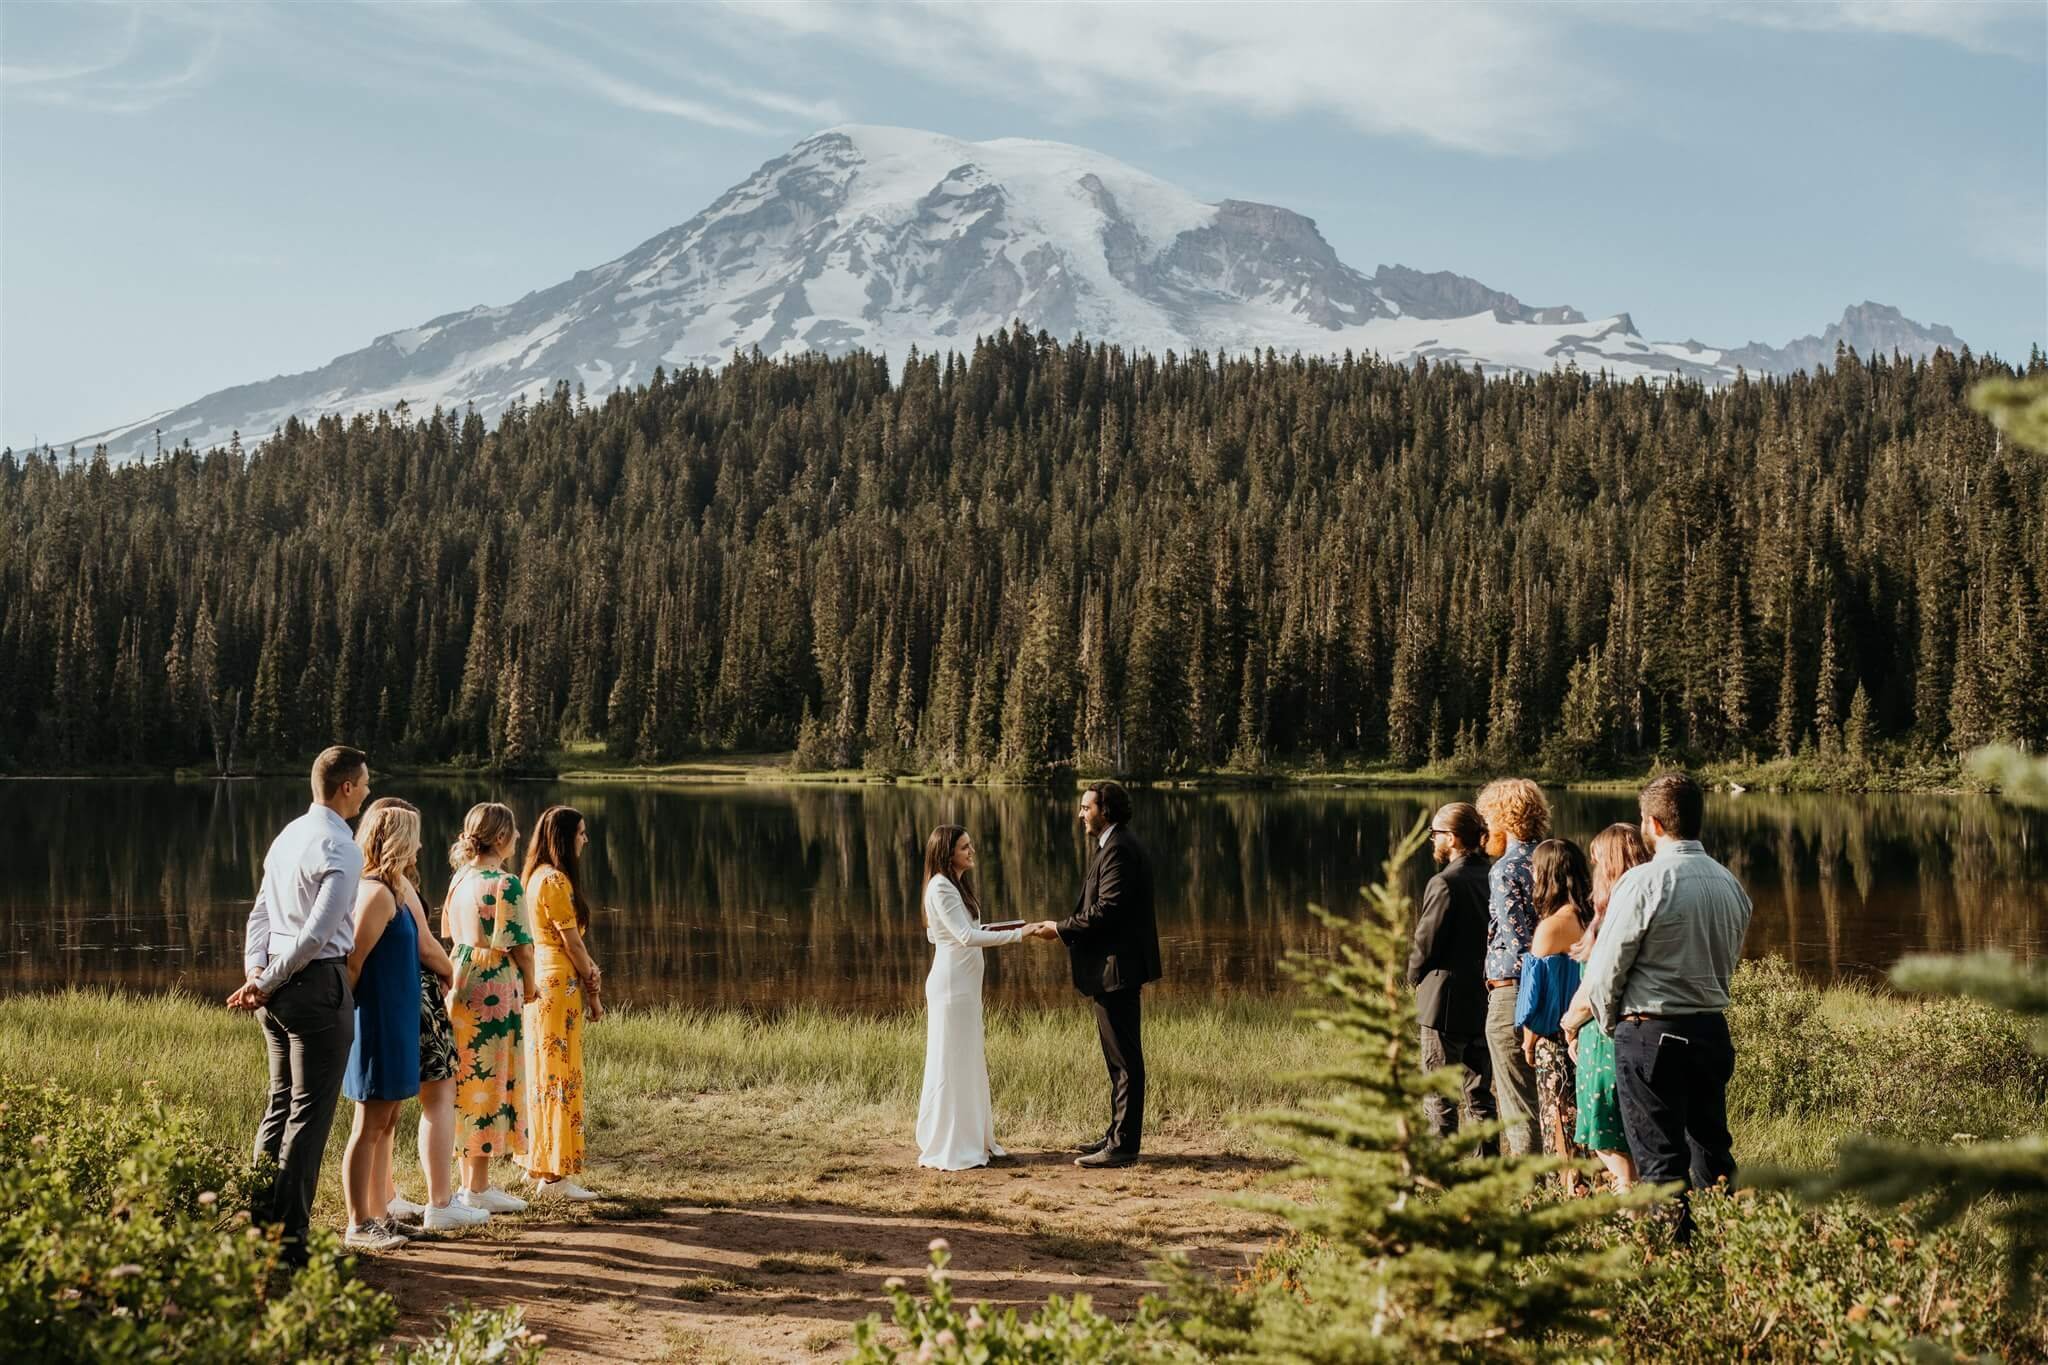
point(787, 1280)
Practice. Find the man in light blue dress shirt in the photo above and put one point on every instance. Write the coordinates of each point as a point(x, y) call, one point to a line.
point(1658, 983)
point(296, 959)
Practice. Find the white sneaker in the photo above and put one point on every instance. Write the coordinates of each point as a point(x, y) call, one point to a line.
point(491, 1199)
point(452, 1217)
point(373, 1236)
point(401, 1207)
point(565, 1188)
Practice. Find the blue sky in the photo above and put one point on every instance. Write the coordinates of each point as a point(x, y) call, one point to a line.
point(204, 195)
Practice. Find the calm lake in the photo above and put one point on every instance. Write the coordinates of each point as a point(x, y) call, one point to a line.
point(768, 896)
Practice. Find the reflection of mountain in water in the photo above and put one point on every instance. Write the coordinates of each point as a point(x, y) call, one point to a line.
point(765, 897)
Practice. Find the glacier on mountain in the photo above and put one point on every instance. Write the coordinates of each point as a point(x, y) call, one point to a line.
point(888, 238)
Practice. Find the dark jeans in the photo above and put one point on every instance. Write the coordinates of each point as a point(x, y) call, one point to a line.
point(307, 1026)
point(1673, 1077)
point(1116, 1020)
point(1440, 1050)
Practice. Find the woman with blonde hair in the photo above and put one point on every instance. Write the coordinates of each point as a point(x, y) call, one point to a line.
point(437, 1065)
point(1516, 817)
point(384, 1060)
point(1614, 851)
point(493, 960)
point(569, 994)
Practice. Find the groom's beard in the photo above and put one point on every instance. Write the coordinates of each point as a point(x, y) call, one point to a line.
point(1442, 858)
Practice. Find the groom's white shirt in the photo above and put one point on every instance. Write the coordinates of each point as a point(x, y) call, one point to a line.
point(1103, 842)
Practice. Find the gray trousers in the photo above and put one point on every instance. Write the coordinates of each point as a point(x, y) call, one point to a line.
point(1514, 1080)
point(1440, 1050)
point(307, 1027)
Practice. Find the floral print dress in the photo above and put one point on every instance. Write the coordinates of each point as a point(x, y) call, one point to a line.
point(554, 1036)
point(490, 1099)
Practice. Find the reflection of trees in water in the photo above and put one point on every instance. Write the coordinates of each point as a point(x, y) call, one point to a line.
point(765, 896)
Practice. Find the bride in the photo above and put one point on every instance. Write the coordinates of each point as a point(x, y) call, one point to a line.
point(956, 1128)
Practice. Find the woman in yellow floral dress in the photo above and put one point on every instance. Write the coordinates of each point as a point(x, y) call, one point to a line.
point(567, 996)
point(493, 959)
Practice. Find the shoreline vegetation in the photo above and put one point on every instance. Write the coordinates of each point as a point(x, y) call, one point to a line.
point(588, 762)
point(799, 1116)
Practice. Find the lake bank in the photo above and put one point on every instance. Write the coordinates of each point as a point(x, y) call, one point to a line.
point(763, 1178)
point(589, 763)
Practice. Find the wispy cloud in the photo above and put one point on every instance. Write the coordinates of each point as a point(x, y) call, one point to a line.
point(1490, 79)
point(2013, 28)
point(121, 59)
point(2007, 229)
point(497, 35)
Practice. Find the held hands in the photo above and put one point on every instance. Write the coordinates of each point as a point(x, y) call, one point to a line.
point(1045, 929)
point(249, 996)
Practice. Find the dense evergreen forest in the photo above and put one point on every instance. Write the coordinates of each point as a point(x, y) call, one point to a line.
point(1044, 554)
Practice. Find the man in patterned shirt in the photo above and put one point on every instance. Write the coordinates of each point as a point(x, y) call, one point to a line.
point(1517, 817)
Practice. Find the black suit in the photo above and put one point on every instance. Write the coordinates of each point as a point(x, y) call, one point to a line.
point(1113, 942)
point(1447, 968)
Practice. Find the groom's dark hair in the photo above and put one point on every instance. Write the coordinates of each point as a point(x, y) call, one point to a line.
point(1112, 800)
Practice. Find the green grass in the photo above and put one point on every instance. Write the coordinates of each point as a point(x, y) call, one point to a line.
point(788, 1106)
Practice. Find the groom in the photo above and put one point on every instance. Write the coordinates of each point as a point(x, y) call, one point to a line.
point(1114, 944)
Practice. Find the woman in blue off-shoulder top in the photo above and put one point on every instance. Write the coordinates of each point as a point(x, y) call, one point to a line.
point(1562, 886)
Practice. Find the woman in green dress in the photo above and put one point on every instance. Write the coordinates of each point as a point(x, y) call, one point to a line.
point(1613, 852)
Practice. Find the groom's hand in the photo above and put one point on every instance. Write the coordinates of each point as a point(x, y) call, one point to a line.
point(1045, 929)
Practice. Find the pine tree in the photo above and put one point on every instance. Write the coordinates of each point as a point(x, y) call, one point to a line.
point(520, 751)
point(1410, 1232)
point(1037, 713)
point(1858, 736)
point(1786, 728)
point(1827, 688)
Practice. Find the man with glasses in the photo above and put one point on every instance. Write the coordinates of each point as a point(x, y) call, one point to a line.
point(1447, 967)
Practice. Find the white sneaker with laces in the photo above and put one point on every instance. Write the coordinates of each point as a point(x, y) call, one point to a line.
point(565, 1188)
point(452, 1217)
point(373, 1236)
point(491, 1199)
point(401, 1207)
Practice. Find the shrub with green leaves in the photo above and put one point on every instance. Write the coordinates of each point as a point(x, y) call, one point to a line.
point(1769, 1279)
point(125, 1236)
point(1064, 1332)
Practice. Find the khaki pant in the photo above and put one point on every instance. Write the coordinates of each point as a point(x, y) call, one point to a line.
point(1514, 1079)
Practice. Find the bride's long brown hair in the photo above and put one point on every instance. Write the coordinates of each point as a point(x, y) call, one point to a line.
point(938, 862)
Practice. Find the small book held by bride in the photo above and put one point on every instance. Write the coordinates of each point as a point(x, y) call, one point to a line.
point(1005, 924)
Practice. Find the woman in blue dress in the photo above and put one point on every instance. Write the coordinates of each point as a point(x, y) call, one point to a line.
point(384, 1061)
point(1562, 889)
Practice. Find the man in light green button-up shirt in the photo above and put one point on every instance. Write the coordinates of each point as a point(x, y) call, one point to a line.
point(1658, 982)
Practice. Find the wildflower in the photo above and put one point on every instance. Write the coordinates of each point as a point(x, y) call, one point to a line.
point(893, 1282)
point(975, 1321)
point(122, 1272)
point(924, 1354)
point(208, 1199)
point(938, 1245)
point(946, 1340)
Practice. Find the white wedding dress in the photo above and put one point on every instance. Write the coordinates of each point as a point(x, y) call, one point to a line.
point(956, 1127)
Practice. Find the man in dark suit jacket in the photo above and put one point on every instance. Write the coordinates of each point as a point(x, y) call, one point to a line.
point(1114, 943)
point(1447, 965)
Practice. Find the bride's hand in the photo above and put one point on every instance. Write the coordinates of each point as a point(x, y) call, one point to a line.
point(1045, 929)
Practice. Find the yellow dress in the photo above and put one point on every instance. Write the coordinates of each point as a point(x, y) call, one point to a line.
point(554, 1037)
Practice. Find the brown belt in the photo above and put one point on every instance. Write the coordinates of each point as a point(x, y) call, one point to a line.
point(1504, 981)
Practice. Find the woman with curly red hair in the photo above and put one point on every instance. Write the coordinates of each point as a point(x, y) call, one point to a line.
point(1517, 818)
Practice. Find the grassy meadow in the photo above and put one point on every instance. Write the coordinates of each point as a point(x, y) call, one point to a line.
point(729, 1105)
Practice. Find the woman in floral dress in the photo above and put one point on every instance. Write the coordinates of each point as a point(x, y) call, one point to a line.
point(568, 997)
point(1613, 852)
point(493, 960)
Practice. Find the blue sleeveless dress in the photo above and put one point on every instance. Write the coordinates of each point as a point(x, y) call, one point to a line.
point(384, 1060)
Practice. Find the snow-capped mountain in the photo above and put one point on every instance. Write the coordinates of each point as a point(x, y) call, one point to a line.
point(887, 238)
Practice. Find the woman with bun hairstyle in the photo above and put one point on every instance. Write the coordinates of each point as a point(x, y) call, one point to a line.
point(493, 960)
